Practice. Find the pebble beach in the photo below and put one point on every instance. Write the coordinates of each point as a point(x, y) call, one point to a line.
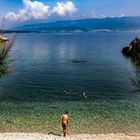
point(38, 136)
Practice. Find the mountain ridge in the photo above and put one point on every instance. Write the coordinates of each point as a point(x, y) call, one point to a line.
point(83, 25)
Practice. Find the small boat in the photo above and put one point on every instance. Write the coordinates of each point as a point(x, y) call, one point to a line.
point(3, 39)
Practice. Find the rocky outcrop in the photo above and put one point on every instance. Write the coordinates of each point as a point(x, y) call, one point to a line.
point(133, 50)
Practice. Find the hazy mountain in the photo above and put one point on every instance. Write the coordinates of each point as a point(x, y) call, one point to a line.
point(86, 25)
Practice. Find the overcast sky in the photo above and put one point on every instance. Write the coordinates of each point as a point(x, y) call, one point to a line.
point(24, 10)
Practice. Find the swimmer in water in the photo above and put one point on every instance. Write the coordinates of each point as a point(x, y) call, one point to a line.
point(83, 95)
point(66, 92)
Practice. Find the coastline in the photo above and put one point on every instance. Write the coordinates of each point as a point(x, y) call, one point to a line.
point(41, 136)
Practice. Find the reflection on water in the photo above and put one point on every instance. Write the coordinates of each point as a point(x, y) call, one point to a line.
point(136, 76)
point(135, 60)
point(3, 69)
point(7, 67)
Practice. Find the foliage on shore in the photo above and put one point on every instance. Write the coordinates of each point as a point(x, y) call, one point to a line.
point(4, 51)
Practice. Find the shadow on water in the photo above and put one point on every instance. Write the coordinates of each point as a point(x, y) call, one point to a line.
point(78, 61)
point(4, 69)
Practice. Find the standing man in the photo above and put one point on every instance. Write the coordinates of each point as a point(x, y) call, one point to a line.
point(64, 121)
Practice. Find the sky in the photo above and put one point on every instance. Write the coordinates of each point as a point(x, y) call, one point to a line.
point(28, 10)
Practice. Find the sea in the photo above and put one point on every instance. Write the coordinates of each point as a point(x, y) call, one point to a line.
point(54, 69)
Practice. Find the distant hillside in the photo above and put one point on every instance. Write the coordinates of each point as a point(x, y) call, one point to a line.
point(84, 25)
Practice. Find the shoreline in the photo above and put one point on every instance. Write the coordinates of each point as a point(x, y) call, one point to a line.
point(41, 136)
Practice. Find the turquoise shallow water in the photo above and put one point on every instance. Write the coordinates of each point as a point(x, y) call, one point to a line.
point(47, 64)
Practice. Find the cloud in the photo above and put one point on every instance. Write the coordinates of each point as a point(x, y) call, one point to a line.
point(122, 15)
point(103, 16)
point(93, 14)
point(21, 16)
point(32, 10)
point(36, 10)
point(39, 10)
point(112, 16)
point(62, 9)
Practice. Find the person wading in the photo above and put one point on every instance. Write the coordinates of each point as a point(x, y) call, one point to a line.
point(65, 121)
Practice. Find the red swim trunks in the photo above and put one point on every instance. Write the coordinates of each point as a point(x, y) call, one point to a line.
point(64, 125)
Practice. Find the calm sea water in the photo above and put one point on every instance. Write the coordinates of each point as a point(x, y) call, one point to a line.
point(47, 64)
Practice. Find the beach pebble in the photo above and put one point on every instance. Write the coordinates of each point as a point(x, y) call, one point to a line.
point(38, 136)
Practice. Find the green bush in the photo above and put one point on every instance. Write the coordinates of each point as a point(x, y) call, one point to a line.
point(4, 51)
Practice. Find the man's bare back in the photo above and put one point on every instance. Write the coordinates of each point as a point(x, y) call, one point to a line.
point(64, 121)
